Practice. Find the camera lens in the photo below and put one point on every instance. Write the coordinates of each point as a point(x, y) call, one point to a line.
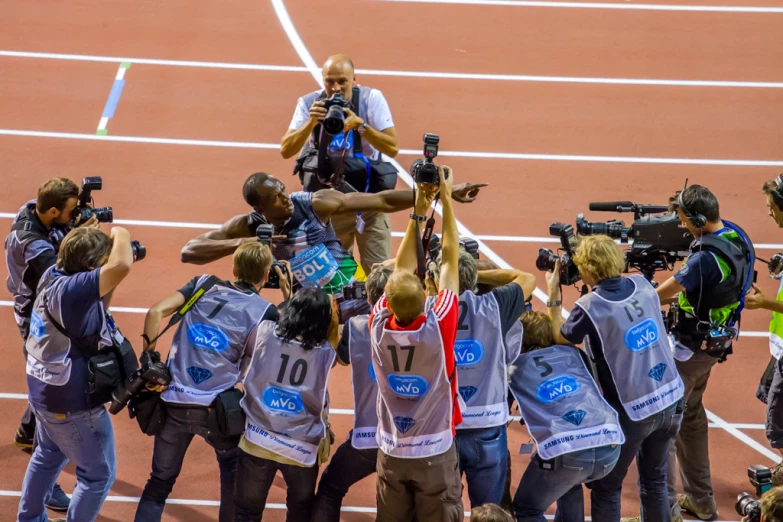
point(746, 505)
point(546, 260)
point(104, 214)
point(139, 251)
point(334, 121)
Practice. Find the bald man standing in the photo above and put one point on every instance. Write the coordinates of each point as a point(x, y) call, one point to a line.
point(368, 132)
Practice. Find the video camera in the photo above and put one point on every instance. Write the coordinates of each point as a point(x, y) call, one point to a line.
point(424, 170)
point(85, 209)
point(334, 123)
point(264, 232)
point(658, 237)
point(152, 371)
point(546, 259)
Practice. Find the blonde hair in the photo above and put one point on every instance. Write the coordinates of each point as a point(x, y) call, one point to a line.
point(490, 513)
point(772, 505)
point(83, 249)
point(251, 262)
point(405, 296)
point(537, 330)
point(599, 256)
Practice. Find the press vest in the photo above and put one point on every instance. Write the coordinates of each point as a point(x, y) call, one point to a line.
point(285, 396)
point(365, 386)
point(414, 393)
point(345, 140)
point(206, 353)
point(561, 404)
point(636, 349)
point(481, 362)
point(776, 329)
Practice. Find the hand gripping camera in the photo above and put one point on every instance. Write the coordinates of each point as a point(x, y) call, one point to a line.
point(264, 232)
point(85, 209)
point(334, 123)
point(152, 371)
point(424, 170)
point(569, 273)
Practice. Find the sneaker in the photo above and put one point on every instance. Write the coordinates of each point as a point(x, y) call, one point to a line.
point(59, 501)
point(777, 475)
point(23, 441)
point(687, 505)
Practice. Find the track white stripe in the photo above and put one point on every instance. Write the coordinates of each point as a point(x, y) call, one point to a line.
point(597, 5)
point(407, 74)
point(409, 152)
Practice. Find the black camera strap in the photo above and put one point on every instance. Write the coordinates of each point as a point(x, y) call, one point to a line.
point(76, 342)
point(179, 314)
point(423, 243)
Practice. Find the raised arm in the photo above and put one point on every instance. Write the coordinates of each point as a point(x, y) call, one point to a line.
point(156, 314)
point(500, 277)
point(407, 258)
point(305, 120)
point(217, 243)
point(119, 263)
point(449, 271)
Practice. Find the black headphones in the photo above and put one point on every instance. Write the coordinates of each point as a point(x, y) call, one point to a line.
point(697, 220)
point(777, 194)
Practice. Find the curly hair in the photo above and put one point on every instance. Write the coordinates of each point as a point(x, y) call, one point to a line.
point(600, 256)
point(306, 318)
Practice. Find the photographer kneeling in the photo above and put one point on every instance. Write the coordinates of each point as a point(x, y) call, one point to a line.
point(208, 355)
point(620, 322)
point(76, 357)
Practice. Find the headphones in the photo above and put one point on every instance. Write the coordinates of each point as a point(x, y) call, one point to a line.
point(697, 220)
point(777, 194)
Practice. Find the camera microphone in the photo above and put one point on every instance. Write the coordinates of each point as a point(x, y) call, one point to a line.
point(609, 206)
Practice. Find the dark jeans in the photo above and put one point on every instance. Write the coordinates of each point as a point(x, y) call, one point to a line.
point(27, 423)
point(347, 467)
point(774, 423)
point(483, 458)
point(647, 441)
point(539, 488)
point(254, 478)
point(171, 444)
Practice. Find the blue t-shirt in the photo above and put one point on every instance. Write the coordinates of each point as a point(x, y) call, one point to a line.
point(82, 313)
point(700, 270)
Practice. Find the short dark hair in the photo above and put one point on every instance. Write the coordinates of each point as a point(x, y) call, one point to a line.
point(699, 200)
point(772, 505)
point(251, 190)
point(770, 188)
point(55, 193)
point(83, 249)
point(306, 318)
point(376, 282)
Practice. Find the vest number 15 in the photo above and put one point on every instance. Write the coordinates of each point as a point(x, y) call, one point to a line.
point(632, 309)
point(408, 360)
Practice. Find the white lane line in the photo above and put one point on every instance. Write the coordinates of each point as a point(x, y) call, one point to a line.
point(604, 5)
point(406, 152)
point(408, 74)
point(770, 454)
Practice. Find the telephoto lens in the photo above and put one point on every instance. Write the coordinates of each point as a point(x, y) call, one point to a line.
point(546, 260)
point(335, 117)
point(749, 507)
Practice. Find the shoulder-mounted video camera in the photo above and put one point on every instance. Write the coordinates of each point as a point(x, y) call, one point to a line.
point(85, 209)
point(424, 170)
point(546, 259)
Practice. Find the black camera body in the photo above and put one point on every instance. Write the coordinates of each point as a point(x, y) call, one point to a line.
point(569, 273)
point(152, 371)
point(273, 281)
point(264, 232)
point(425, 171)
point(84, 209)
point(139, 250)
point(355, 290)
point(747, 506)
point(334, 123)
point(470, 245)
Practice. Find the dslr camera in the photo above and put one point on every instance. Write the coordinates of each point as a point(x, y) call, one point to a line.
point(85, 209)
point(747, 506)
point(470, 245)
point(264, 232)
point(139, 250)
point(424, 170)
point(334, 123)
point(152, 371)
point(355, 290)
point(569, 273)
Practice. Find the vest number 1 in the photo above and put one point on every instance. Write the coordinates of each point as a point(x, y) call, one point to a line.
point(298, 371)
point(408, 360)
point(633, 309)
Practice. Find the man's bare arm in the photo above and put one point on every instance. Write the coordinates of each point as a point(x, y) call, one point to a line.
point(385, 140)
point(216, 244)
point(502, 277)
point(669, 289)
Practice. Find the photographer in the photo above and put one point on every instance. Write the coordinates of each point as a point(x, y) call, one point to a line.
point(201, 371)
point(356, 458)
point(708, 288)
point(304, 234)
point(367, 131)
point(75, 355)
point(621, 325)
point(577, 433)
point(286, 403)
point(771, 507)
point(414, 362)
point(30, 250)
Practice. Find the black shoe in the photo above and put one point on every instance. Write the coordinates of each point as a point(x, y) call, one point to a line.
point(59, 501)
point(23, 441)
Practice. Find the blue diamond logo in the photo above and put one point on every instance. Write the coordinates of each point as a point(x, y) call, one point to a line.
point(404, 423)
point(657, 372)
point(575, 417)
point(199, 375)
point(467, 392)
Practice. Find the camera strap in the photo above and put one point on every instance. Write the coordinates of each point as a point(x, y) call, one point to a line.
point(76, 342)
point(423, 243)
point(179, 314)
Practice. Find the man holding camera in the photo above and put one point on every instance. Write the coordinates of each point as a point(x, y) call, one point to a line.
point(367, 130)
point(709, 288)
point(76, 357)
point(31, 249)
point(207, 358)
point(303, 232)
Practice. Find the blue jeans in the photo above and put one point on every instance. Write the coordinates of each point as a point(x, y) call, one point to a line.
point(647, 441)
point(540, 488)
point(86, 438)
point(171, 444)
point(483, 458)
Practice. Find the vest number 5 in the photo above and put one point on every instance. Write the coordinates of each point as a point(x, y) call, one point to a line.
point(541, 364)
point(408, 360)
point(298, 371)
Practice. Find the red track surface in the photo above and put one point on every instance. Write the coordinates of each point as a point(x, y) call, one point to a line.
point(202, 184)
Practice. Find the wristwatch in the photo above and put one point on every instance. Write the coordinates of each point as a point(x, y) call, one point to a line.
point(552, 304)
point(361, 129)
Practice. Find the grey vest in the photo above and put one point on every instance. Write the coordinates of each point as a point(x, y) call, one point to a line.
point(365, 386)
point(636, 349)
point(340, 140)
point(206, 353)
point(285, 396)
point(481, 362)
point(560, 403)
point(414, 400)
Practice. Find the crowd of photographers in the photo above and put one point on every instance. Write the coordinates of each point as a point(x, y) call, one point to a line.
point(443, 347)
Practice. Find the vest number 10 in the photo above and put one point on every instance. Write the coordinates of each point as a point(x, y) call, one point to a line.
point(298, 371)
point(408, 360)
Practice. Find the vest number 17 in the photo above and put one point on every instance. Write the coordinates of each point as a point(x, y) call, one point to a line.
point(408, 360)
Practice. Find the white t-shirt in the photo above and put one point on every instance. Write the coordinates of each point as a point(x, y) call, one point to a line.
point(378, 117)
